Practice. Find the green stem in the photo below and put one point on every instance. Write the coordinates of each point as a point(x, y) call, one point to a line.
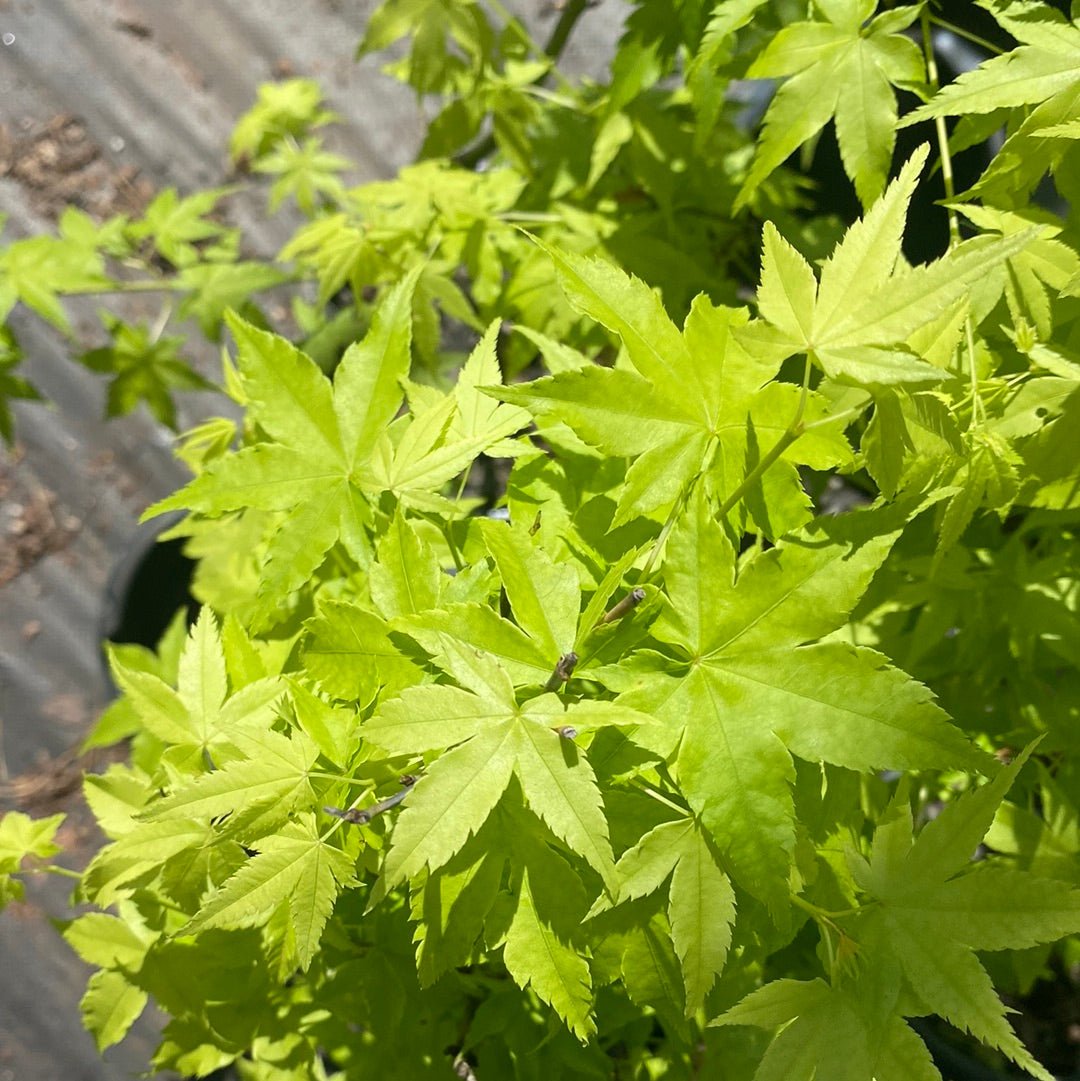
point(967, 35)
point(676, 510)
point(52, 869)
point(942, 134)
point(976, 403)
point(661, 798)
point(134, 287)
point(823, 913)
point(795, 429)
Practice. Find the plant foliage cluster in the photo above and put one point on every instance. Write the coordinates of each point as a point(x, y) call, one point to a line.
point(537, 721)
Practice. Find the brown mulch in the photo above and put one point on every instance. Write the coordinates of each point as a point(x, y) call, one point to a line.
point(59, 165)
point(30, 526)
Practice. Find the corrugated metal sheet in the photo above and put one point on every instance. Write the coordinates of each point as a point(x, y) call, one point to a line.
point(103, 102)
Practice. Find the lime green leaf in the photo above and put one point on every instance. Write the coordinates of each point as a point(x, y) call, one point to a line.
point(213, 288)
point(701, 912)
point(456, 634)
point(304, 172)
point(108, 941)
point(749, 686)
point(349, 653)
point(867, 306)
point(545, 596)
point(143, 369)
point(286, 392)
point(406, 576)
point(627, 307)
point(283, 109)
point(479, 420)
point(538, 958)
point(272, 777)
point(839, 68)
point(367, 390)
point(37, 270)
point(449, 803)
point(140, 852)
point(22, 836)
point(938, 907)
point(175, 225)
point(452, 904)
point(297, 867)
point(110, 1007)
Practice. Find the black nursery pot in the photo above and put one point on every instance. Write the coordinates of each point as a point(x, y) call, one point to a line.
point(146, 586)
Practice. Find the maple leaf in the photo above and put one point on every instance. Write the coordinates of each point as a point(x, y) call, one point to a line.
point(748, 683)
point(199, 714)
point(539, 951)
point(174, 225)
point(695, 401)
point(701, 901)
point(36, 270)
point(831, 1033)
point(839, 69)
point(296, 866)
point(856, 323)
point(257, 792)
point(143, 369)
point(1043, 73)
point(545, 599)
point(329, 456)
point(492, 739)
point(937, 907)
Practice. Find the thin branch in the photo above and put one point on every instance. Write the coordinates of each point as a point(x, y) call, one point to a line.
point(945, 156)
point(794, 430)
point(627, 604)
point(564, 669)
point(360, 817)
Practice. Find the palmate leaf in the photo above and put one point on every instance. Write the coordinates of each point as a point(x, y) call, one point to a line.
point(695, 401)
point(866, 308)
point(545, 599)
point(257, 792)
point(491, 739)
point(830, 1033)
point(330, 457)
point(701, 901)
point(747, 686)
point(932, 908)
point(200, 713)
point(295, 866)
point(937, 907)
point(317, 466)
point(840, 69)
point(1042, 77)
point(349, 653)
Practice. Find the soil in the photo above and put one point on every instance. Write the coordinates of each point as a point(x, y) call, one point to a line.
point(30, 525)
point(59, 165)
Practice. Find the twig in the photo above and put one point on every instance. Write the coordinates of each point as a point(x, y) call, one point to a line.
point(360, 817)
point(564, 669)
point(627, 604)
